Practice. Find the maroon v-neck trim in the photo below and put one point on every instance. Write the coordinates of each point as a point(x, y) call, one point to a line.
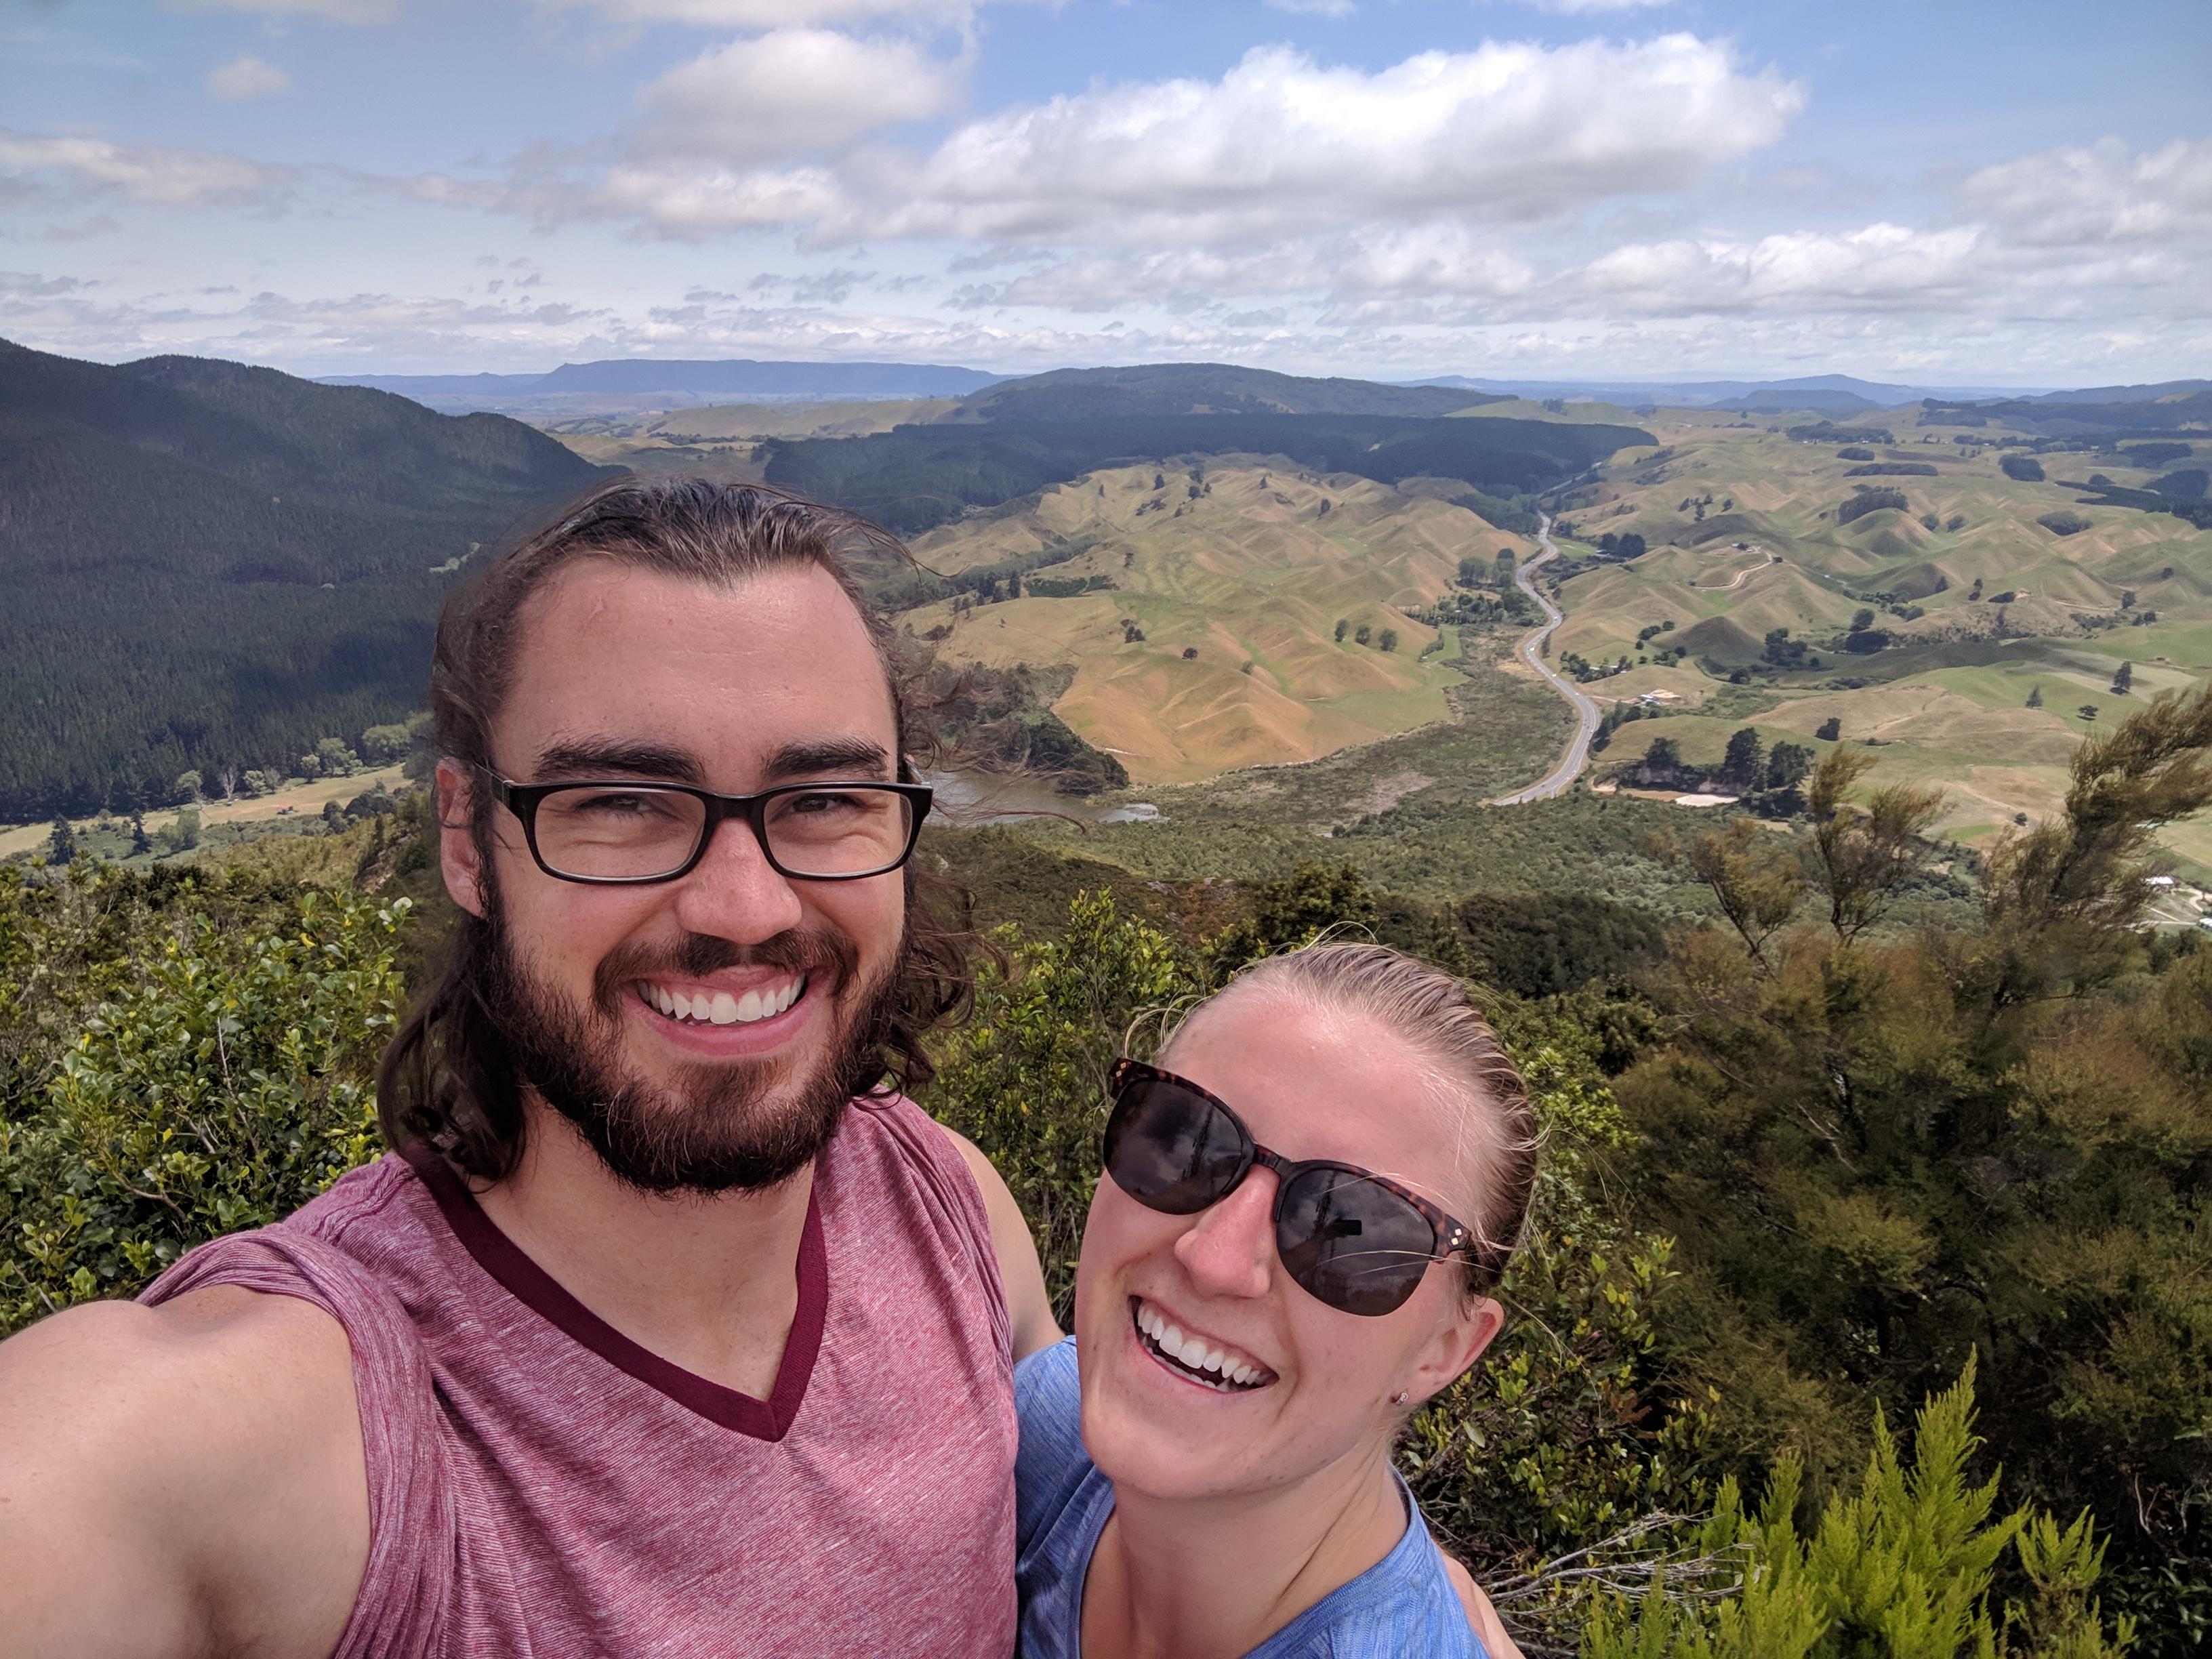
point(536, 1289)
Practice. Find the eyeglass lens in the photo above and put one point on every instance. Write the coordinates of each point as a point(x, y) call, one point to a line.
point(602, 832)
point(1345, 1238)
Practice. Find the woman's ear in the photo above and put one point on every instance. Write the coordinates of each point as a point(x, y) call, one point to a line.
point(1458, 1342)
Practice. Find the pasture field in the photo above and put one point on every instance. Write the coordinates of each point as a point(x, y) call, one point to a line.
point(1215, 646)
point(1743, 538)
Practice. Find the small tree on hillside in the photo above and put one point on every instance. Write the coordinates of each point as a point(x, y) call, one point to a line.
point(1741, 763)
point(186, 788)
point(61, 842)
point(1831, 729)
point(2035, 697)
point(1388, 639)
point(1361, 634)
point(1342, 628)
point(2123, 678)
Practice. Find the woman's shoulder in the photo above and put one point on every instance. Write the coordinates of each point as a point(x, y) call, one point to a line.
point(1406, 1603)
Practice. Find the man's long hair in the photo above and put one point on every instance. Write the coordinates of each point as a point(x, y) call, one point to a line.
point(449, 1076)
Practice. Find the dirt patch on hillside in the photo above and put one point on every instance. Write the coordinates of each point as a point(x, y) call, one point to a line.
point(1390, 791)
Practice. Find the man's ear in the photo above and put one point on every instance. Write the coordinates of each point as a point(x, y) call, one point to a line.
point(457, 858)
point(1458, 1343)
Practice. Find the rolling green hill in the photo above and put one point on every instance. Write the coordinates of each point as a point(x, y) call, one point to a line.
point(916, 477)
point(1978, 602)
point(210, 565)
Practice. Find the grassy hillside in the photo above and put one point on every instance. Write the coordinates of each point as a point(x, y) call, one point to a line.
point(1209, 642)
point(917, 478)
point(210, 566)
point(2007, 607)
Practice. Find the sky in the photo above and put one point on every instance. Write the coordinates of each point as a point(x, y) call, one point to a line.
point(1962, 194)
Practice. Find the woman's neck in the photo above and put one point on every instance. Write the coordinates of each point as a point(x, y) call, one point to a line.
point(1213, 1578)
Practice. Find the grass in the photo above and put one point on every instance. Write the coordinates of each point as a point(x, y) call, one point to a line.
point(1250, 571)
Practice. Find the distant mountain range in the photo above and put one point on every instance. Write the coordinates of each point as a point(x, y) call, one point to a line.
point(208, 565)
point(1173, 389)
point(681, 381)
point(1824, 394)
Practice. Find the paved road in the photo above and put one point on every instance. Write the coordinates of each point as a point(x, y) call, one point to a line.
point(1556, 781)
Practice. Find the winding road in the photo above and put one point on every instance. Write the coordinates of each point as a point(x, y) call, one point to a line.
point(1558, 780)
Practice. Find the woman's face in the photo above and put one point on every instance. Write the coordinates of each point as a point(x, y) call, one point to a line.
point(1308, 1387)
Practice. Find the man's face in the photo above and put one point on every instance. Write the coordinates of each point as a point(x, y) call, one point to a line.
point(624, 673)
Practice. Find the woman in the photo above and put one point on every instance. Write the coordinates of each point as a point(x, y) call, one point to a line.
point(1305, 1203)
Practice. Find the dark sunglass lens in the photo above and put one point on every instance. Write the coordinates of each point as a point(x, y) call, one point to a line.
point(1172, 1150)
point(1353, 1242)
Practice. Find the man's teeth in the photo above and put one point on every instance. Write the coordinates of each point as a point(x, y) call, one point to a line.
point(1223, 1367)
point(719, 1007)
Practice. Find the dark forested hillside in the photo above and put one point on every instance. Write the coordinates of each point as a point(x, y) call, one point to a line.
point(914, 477)
point(1085, 394)
point(210, 566)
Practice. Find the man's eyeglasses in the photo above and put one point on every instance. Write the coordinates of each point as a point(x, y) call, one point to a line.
point(1355, 1239)
point(629, 832)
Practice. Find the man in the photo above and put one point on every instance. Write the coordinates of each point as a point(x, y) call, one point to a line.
point(650, 1336)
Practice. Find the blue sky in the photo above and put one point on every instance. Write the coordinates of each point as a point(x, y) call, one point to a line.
point(1986, 194)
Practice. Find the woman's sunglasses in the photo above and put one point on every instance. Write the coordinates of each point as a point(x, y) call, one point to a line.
point(1358, 1242)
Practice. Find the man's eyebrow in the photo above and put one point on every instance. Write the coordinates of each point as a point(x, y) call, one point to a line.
point(856, 757)
point(599, 757)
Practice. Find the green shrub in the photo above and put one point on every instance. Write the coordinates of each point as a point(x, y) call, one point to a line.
point(1903, 1569)
point(202, 1065)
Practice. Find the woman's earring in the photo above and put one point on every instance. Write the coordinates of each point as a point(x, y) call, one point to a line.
point(1398, 1397)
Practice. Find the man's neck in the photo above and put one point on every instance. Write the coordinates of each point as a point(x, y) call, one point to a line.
point(1214, 1579)
point(709, 1284)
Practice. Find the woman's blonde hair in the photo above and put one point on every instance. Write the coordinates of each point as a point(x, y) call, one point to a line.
point(1432, 1013)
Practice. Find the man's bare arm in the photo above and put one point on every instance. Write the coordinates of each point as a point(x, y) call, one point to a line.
point(1479, 1613)
point(1027, 1305)
point(179, 1480)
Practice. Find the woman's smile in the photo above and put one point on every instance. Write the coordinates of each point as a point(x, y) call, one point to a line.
point(1200, 1361)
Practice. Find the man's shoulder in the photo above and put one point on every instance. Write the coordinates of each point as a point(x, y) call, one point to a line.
point(212, 1441)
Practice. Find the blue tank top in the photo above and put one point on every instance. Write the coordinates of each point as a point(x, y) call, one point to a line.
point(1403, 1606)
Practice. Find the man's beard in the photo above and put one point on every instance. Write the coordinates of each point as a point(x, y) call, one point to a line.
point(734, 1125)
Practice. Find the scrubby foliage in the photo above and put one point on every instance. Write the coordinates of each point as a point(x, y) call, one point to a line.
point(1880, 1153)
point(180, 1057)
point(1906, 1568)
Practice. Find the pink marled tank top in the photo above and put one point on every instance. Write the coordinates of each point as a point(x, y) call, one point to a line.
point(539, 1485)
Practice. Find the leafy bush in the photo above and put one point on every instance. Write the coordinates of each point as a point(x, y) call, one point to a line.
point(2025, 468)
point(1892, 469)
point(201, 1065)
point(2063, 524)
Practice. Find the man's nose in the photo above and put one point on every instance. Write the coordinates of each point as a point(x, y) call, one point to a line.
point(1229, 1249)
point(734, 892)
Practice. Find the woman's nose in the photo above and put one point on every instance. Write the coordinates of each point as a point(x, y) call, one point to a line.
point(1229, 1249)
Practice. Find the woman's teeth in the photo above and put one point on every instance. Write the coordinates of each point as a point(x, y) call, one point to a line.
point(1222, 1369)
point(719, 1007)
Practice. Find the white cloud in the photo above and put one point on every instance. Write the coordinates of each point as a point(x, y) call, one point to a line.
point(2099, 192)
point(1314, 8)
point(331, 11)
point(168, 178)
point(794, 89)
point(247, 77)
point(1280, 144)
point(1880, 265)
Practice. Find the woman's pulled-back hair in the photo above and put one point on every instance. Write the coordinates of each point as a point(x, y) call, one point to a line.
point(1431, 1012)
point(448, 1077)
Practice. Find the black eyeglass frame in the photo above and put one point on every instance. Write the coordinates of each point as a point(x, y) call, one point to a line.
point(523, 799)
point(1448, 1236)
